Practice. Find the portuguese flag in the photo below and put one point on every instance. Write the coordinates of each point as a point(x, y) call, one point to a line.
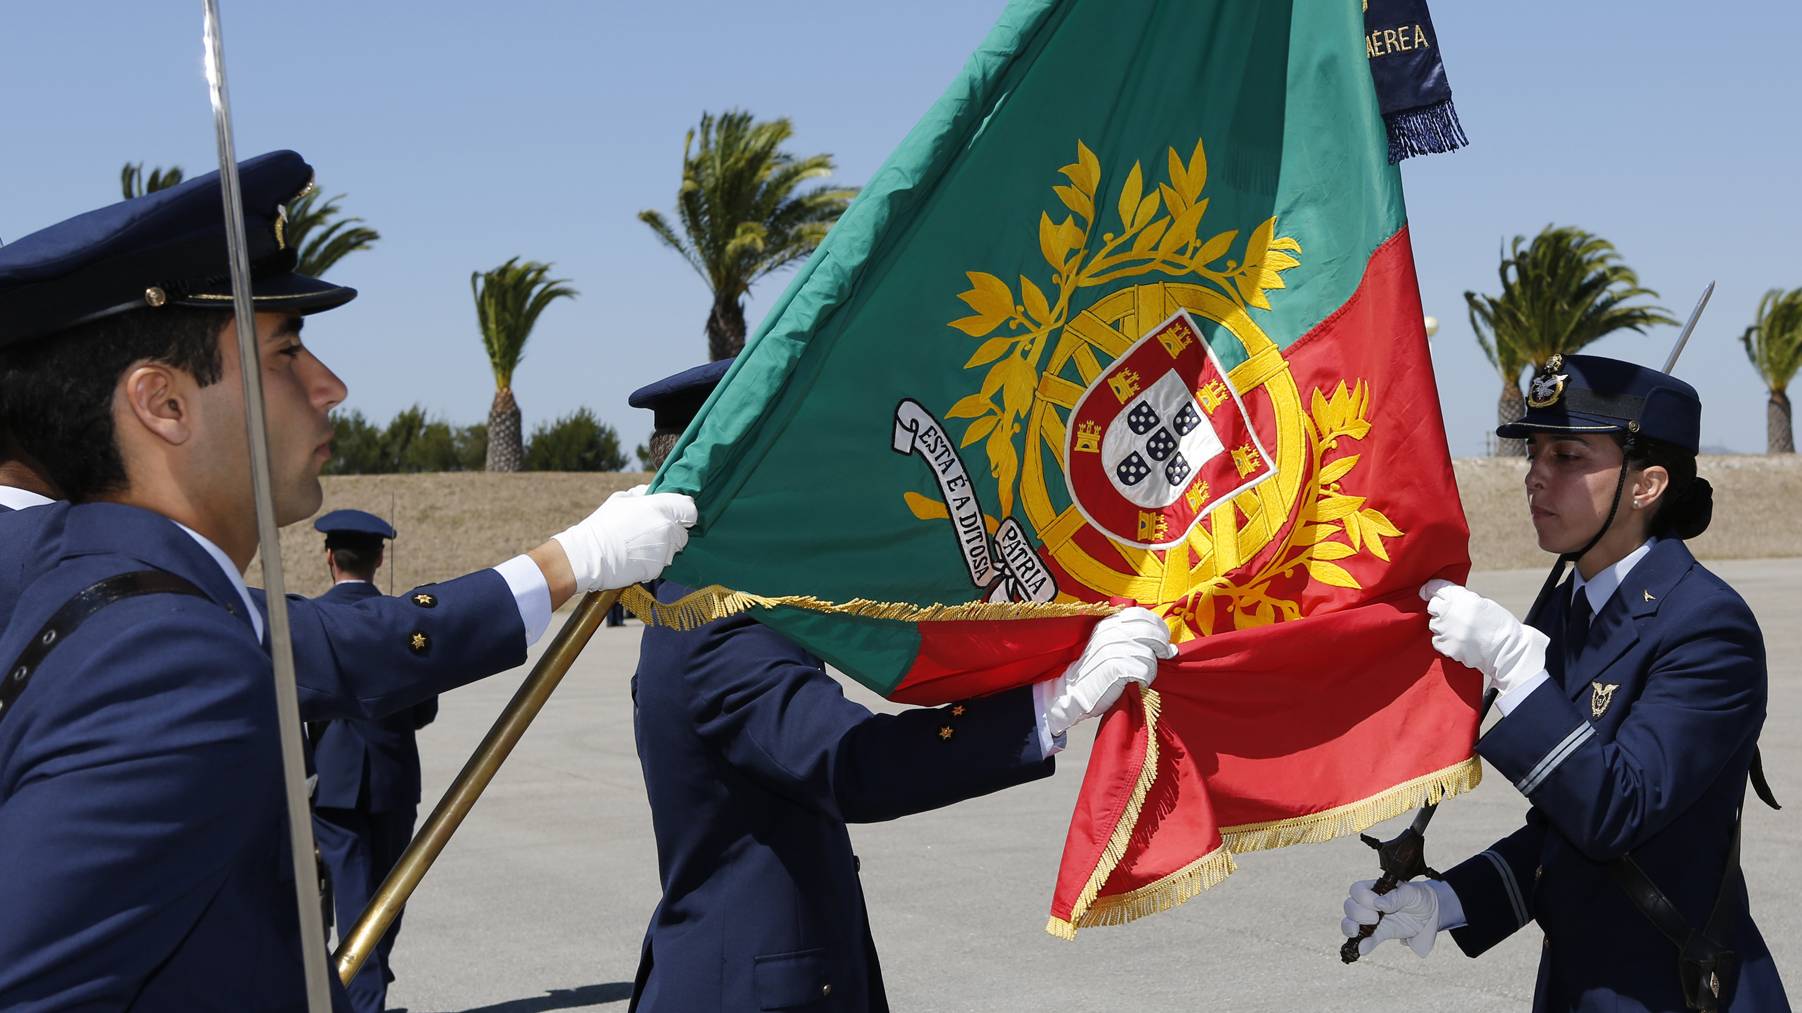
point(1130, 315)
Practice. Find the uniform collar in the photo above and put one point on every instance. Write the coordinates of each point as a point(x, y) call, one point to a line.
point(231, 574)
point(14, 498)
point(1610, 579)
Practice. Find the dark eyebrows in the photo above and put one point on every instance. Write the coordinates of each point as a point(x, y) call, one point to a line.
point(290, 326)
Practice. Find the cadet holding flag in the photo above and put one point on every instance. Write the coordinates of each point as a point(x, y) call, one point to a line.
point(141, 810)
point(1630, 722)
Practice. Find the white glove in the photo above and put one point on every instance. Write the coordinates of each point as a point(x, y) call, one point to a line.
point(1125, 647)
point(631, 538)
point(1410, 912)
point(1474, 631)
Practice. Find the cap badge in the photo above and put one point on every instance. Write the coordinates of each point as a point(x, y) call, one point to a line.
point(1546, 388)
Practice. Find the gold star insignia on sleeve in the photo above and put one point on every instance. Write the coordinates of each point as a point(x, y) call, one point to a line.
point(945, 733)
point(424, 601)
point(418, 642)
point(957, 711)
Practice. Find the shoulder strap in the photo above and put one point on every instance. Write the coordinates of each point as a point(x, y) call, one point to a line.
point(76, 611)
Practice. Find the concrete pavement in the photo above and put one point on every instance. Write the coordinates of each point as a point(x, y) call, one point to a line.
point(541, 900)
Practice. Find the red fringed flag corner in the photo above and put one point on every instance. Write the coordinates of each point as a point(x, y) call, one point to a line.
point(1130, 314)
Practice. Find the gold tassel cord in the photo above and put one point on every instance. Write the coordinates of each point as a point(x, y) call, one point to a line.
point(1355, 817)
point(1117, 841)
point(714, 602)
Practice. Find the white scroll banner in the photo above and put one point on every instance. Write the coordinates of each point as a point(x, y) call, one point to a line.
point(918, 432)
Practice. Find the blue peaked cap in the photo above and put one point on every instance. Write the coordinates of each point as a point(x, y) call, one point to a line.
point(674, 401)
point(1592, 394)
point(353, 522)
point(162, 249)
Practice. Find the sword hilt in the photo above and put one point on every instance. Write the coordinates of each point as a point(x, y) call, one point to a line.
point(1402, 858)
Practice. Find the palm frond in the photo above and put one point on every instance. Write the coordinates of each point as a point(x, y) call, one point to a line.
point(321, 235)
point(509, 300)
point(1774, 341)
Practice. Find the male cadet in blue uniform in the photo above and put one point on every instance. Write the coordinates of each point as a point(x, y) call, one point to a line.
point(368, 789)
point(141, 806)
point(754, 762)
point(1630, 722)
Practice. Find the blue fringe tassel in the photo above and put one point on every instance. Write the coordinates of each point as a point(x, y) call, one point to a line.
point(1428, 130)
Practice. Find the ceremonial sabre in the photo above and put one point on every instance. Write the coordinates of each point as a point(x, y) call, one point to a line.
point(287, 702)
point(1403, 857)
point(1683, 338)
point(388, 902)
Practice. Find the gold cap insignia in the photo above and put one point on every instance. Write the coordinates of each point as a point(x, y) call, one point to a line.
point(1545, 389)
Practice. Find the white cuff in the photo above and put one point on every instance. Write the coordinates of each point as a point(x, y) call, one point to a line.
point(1451, 910)
point(530, 592)
point(1511, 699)
point(1049, 744)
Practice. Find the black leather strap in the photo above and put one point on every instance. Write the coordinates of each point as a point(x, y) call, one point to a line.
point(76, 611)
point(1705, 965)
point(1760, 786)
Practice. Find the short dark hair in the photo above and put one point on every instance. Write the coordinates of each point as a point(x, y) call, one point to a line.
point(57, 392)
point(356, 555)
point(1688, 504)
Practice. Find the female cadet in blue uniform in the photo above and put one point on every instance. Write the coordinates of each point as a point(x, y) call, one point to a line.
point(754, 763)
point(141, 832)
point(1630, 720)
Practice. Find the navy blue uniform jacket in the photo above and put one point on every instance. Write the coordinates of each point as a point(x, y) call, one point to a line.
point(142, 825)
point(754, 762)
point(1660, 773)
point(371, 765)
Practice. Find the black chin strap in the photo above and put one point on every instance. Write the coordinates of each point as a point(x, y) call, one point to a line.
point(1567, 558)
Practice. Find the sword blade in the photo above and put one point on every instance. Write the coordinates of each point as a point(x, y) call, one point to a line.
point(1688, 328)
point(287, 701)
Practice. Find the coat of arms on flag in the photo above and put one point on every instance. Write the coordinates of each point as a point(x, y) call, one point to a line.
point(1130, 315)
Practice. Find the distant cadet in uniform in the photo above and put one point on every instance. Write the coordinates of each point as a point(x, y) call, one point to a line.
point(754, 763)
point(368, 791)
point(141, 803)
point(1630, 721)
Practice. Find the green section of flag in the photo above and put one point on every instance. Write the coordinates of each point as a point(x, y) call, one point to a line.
point(913, 294)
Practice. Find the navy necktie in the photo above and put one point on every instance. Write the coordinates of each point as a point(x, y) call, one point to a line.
point(1576, 627)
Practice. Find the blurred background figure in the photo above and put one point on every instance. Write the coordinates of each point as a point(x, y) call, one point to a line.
point(368, 792)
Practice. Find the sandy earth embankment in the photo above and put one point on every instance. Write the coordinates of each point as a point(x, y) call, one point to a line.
point(453, 523)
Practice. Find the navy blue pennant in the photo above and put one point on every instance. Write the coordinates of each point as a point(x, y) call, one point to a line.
point(1412, 89)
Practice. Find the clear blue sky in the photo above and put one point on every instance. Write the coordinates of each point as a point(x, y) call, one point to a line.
point(471, 132)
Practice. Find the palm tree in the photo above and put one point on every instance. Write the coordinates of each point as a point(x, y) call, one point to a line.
point(509, 299)
point(1560, 291)
point(1774, 344)
point(133, 182)
point(321, 236)
point(742, 214)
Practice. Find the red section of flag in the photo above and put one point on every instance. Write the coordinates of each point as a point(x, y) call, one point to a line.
point(1302, 730)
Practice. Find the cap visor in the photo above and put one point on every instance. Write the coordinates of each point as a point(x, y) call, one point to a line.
point(1568, 422)
point(288, 292)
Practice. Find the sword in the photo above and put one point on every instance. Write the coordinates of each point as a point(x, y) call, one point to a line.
point(1688, 328)
point(287, 702)
point(1403, 857)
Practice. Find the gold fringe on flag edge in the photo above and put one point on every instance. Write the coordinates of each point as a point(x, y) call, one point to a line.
point(714, 602)
point(1123, 828)
point(1212, 868)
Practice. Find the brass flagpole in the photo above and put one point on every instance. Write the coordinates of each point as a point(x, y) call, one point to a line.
point(391, 898)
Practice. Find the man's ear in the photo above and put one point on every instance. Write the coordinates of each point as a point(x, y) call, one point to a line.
point(155, 395)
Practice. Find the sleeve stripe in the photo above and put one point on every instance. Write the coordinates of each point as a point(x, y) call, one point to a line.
point(1510, 885)
point(1559, 754)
